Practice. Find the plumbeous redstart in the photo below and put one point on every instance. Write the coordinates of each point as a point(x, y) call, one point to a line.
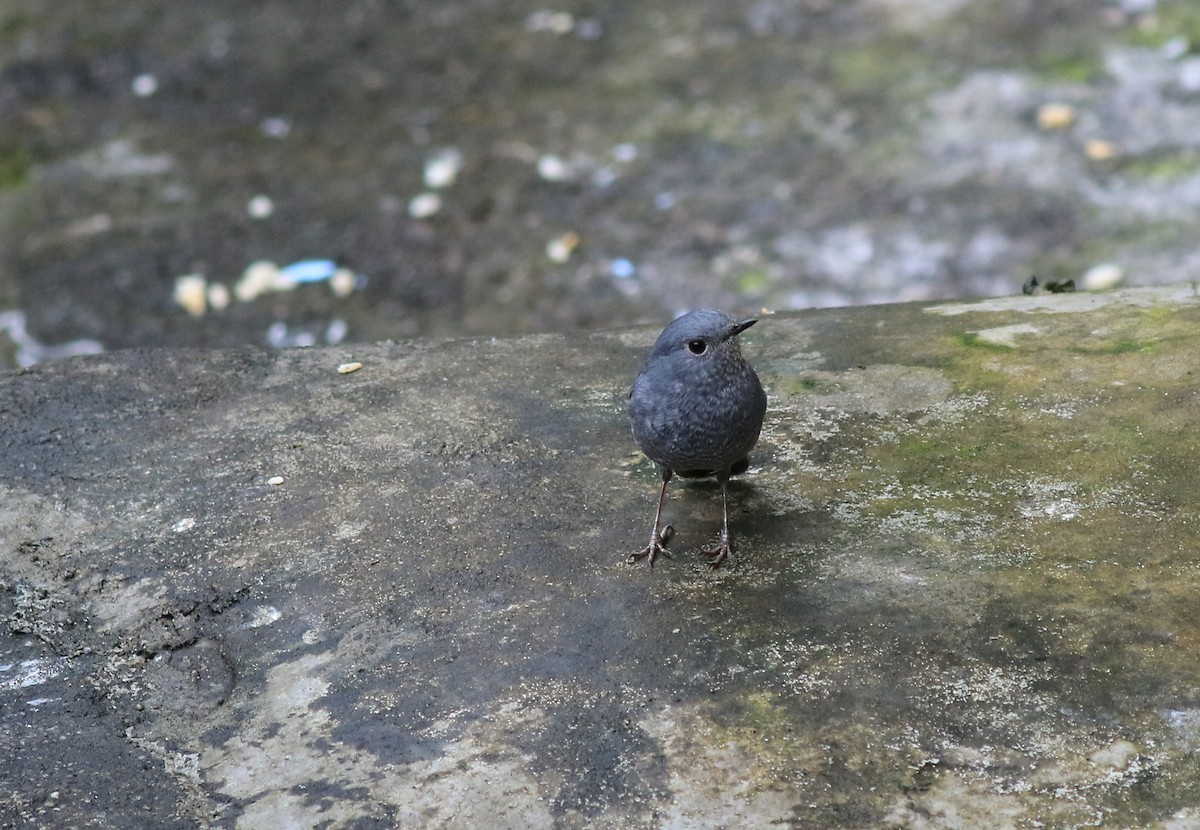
point(696, 409)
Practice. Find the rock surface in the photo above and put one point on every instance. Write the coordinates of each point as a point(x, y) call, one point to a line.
point(965, 594)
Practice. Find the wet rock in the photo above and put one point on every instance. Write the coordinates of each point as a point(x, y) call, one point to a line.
point(964, 593)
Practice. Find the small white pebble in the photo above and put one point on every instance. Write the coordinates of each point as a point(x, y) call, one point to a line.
point(560, 248)
point(342, 282)
point(442, 168)
point(347, 368)
point(144, 85)
point(259, 278)
point(190, 293)
point(218, 296)
point(184, 525)
point(1104, 275)
point(260, 207)
point(424, 205)
point(275, 481)
point(553, 169)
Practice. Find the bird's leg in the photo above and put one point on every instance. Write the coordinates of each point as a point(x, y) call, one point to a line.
point(658, 538)
point(724, 551)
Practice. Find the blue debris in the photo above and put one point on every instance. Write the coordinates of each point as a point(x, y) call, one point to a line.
point(622, 268)
point(309, 270)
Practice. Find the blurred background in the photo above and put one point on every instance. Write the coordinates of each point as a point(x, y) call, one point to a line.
point(288, 173)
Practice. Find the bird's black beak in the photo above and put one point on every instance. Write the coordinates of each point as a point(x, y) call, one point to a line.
point(738, 328)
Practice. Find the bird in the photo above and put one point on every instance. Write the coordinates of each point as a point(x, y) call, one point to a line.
point(696, 410)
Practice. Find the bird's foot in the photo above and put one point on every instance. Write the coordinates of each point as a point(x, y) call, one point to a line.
point(719, 555)
point(657, 547)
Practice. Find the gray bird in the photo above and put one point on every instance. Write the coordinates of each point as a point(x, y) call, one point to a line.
point(696, 409)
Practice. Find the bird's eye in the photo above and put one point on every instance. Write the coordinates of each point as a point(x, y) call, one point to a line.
point(697, 346)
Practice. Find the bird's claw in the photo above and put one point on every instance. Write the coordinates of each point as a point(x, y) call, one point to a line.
point(719, 555)
point(657, 546)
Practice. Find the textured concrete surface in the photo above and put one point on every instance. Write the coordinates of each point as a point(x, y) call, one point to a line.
point(966, 593)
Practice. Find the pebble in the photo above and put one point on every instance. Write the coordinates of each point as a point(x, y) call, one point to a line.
point(424, 205)
point(144, 85)
point(343, 282)
point(1104, 275)
point(184, 525)
point(259, 278)
point(275, 481)
point(545, 20)
point(276, 127)
point(1099, 150)
point(622, 268)
point(560, 248)
point(218, 296)
point(308, 270)
point(347, 368)
point(1055, 116)
point(264, 276)
point(442, 168)
point(260, 207)
point(552, 168)
point(191, 292)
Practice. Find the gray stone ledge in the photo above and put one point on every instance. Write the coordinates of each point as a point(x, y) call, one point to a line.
point(965, 594)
